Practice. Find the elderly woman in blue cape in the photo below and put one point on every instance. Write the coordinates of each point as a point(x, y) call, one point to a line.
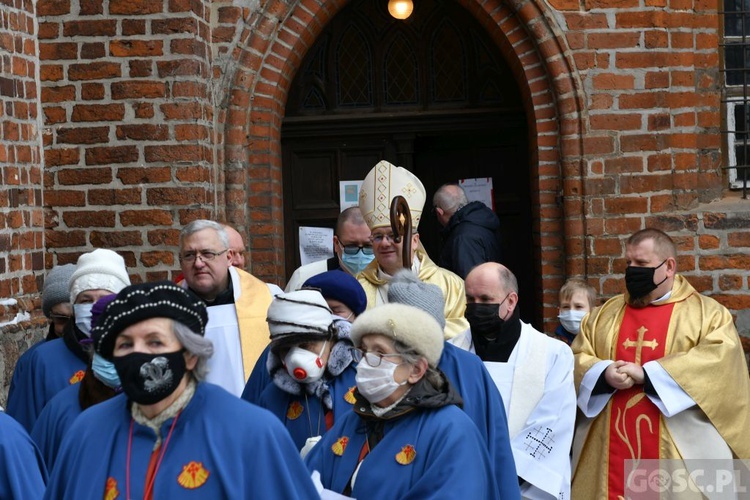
point(407, 436)
point(310, 365)
point(171, 435)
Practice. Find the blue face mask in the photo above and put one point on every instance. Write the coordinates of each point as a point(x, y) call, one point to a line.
point(82, 312)
point(356, 263)
point(105, 371)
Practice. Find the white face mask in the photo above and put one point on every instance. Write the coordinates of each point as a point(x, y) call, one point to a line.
point(376, 383)
point(82, 313)
point(571, 320)
point(305, 366)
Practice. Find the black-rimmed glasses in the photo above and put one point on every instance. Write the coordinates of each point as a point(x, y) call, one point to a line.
point(205, 255)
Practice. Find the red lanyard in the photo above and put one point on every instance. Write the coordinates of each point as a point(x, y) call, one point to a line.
point(147, 492)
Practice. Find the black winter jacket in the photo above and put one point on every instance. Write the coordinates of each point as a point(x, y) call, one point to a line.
point(471, 237)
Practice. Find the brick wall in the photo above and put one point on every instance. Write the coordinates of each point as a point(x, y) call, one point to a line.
point(21, 215)
point(130, 122)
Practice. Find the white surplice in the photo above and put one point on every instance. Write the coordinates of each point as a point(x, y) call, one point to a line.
point(539, 397)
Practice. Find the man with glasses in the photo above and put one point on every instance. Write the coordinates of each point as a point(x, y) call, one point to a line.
point(237, 302)
point(384, 182)
point(351, 245)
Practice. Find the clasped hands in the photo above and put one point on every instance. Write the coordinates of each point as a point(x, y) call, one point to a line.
point(624, 375)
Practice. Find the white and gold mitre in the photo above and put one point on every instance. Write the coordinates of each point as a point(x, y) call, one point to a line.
point(383, 183)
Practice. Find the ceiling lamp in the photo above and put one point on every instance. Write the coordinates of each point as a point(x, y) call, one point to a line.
point(400, 9)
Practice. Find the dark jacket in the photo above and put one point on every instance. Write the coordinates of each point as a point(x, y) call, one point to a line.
point(471, 237)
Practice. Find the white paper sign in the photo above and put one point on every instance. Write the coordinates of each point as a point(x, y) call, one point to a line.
point(349, 194)
point(479, 189)
point(315, 243)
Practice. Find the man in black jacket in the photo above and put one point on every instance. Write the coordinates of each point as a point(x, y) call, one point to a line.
point(471, 231)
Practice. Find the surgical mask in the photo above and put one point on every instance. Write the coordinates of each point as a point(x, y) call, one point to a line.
point(82, 312)
point(571, 320)
point(148, 378)
point(376, 383)
point(640, 280)
point(484, 319)
point(356, 263)
point(105, 371)
point(304, 366)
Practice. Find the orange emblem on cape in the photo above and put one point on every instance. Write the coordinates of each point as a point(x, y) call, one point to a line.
point(110, 491)
point(339, 446)
point(295, 410)
point(193, 475)
point(406, 455)
point(349, 396)
point(77, 377)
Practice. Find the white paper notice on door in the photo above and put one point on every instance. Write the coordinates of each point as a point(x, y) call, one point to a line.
point(479, 189)
point(315, 243)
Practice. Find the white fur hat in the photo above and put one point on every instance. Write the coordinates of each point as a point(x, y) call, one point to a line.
point(297, 315)
point(101, 269)
point(407, 324)
point(383, 183)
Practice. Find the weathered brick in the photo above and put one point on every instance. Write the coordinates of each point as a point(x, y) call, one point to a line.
point(46, 8)
point(61, 156)
point(89, 218)
point(144, 175)
point(163, 237)
point(136, 48)
point(176, 153)
point(98, 112)
point(58, 51)
point(111, 154)
point(65, 239)
point(64, 198)
point(134, 7)
point(138, 90)
point(146, 218)
point(142, 132)
point(82, 135)
point(90, 27)
point(155, 258)
point(176, 196)
point(92, 91)
point(115, 239)
point(92, 50)
point(109, 197)
point(99, 70)
point(75, 176)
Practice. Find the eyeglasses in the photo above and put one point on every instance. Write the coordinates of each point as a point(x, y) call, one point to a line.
point(59, 319)
point(205, 255)
point(370, 358)
point(378, 238)
point(354, 249)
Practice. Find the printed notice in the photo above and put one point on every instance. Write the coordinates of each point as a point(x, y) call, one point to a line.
point(315, 243)
point(479, 189)
point(349, 194)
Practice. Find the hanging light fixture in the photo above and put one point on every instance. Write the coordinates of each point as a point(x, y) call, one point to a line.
point(400, 9)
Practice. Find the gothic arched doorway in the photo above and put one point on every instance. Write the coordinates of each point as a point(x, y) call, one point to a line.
point(432, 94)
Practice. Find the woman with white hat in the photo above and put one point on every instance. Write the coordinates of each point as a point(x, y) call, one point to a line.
point(310, 364)
point(170, 435)
point(407, 436)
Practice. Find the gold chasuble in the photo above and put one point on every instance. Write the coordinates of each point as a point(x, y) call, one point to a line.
point(449, 283)
point(693, 338)
point(252, 307)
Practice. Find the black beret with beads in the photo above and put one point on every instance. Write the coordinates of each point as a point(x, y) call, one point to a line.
point(136, 303)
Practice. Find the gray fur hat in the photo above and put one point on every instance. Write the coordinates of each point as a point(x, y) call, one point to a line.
point(409, 325)
point(406, 288)
point(55, 289)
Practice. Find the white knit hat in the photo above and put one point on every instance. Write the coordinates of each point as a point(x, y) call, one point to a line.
point(297, 315)
point(383, 183)
point(407, 324)
point(101, 269)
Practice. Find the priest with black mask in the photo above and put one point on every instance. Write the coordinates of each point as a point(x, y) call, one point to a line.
point(534, 374)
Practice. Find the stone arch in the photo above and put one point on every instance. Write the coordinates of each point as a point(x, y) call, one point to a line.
point(274, 44)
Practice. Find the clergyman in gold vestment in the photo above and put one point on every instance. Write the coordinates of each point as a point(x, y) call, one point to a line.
point(676, 357)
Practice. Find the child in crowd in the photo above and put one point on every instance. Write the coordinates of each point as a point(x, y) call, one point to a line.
point(577, 298)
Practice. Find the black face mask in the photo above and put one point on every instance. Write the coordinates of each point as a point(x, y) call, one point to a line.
point(149, 378)
point(640, 280)
point(484, 319)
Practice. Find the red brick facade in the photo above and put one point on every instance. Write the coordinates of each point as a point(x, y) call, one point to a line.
point(151, 114)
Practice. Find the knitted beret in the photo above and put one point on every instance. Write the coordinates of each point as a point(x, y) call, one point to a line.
point(143, 301)
point(296, 315)
point(55, 289)
point(407, 324)
point(406, 288)
point(101, 269)
point(341, 286)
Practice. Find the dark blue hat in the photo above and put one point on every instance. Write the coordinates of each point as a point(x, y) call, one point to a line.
point(341, 286)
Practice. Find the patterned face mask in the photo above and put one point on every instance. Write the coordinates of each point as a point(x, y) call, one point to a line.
point(148, 378)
